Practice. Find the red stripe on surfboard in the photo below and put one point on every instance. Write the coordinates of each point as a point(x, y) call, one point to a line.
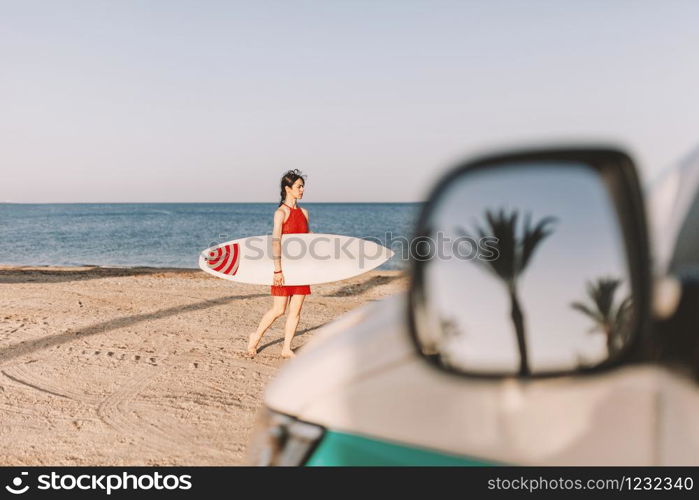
point(230, 261)
point(231, 270)
point(214, 258)
point(237, 264)
point(226, 255)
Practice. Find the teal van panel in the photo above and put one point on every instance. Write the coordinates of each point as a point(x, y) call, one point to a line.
point(337, 448)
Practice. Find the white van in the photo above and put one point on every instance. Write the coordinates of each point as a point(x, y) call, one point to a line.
point(537, 335)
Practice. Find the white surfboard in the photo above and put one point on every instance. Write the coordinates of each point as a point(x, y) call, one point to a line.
point(307, 258)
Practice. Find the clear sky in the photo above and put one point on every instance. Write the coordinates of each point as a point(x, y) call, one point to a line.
point(204, 100)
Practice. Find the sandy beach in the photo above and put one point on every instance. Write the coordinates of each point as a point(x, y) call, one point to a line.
point(143, 366)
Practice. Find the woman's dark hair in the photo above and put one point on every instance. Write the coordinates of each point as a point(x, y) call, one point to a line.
point(288, 179)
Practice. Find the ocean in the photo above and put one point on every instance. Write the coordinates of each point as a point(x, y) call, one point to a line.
point(173, 234)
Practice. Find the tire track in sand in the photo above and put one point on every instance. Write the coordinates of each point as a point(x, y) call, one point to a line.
point(123, 412)
point(120, 412)
point(22, 375)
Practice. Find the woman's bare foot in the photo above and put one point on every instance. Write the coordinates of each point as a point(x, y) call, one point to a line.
point(252, 348)
point(288, 353)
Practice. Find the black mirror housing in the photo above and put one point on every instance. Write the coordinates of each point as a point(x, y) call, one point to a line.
point(558, 269)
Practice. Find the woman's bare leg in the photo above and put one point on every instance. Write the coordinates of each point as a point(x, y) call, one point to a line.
point(277, 309)
point(292, 321)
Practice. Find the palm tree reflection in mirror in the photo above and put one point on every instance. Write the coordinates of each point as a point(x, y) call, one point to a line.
point(610, 320)
point(514, 255)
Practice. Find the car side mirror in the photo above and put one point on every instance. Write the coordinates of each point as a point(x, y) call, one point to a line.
point(532, 264)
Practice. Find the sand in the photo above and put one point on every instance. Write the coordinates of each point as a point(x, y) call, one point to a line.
point(143, 366)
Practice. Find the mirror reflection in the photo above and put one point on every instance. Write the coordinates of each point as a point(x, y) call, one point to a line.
point(527, 273)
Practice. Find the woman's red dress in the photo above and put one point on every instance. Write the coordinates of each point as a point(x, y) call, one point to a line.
point(296, 223)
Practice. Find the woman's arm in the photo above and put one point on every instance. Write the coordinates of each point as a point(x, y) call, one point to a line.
point(277, 245)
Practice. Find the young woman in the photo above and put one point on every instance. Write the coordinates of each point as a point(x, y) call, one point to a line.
point(289, 218)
